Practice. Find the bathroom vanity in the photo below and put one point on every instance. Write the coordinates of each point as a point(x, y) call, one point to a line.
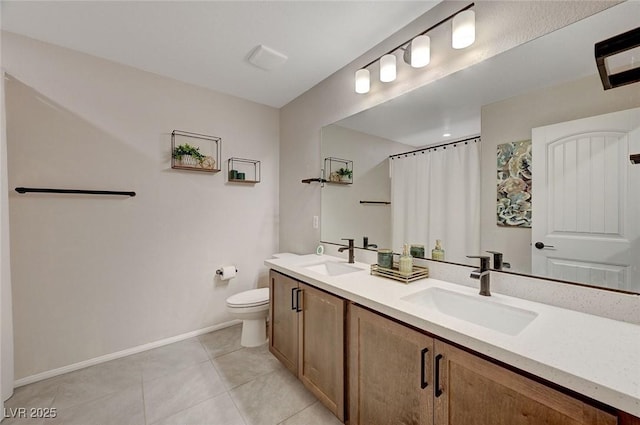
point(377, 351)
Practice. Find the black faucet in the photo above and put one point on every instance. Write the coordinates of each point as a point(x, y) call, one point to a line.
point(350, 247)
point(498, 263)
point(366, 244)
point(482, 274)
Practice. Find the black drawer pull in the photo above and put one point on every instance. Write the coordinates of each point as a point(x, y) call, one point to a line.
point(298, 309)
point(438, 390)
point(423, 378)
point(293, 297)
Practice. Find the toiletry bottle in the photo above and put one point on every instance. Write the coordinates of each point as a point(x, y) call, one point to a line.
point(405, 265)
point(437, 253)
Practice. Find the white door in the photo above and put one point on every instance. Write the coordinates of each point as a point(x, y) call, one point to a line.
point(585, 207)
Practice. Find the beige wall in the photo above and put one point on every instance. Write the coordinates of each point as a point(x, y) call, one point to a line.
point(96, 275)
point(511, 120)
point(501, 25)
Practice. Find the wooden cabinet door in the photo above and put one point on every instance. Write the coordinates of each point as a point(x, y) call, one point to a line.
point(283, 324)
point(321, 357)
point(390, 372)
point(473, 391)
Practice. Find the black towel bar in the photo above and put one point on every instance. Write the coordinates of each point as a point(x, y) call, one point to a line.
point(376, 202)
point(74, 191)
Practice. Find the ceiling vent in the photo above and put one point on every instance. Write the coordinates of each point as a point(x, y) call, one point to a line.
point(266, 58)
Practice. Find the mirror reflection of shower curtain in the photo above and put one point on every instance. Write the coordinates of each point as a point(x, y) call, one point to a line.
point(436, 195)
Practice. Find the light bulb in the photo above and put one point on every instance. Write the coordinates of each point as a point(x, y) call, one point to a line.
point(387, 68)
point(362, 81)
point(420, 51)
point(463, 29)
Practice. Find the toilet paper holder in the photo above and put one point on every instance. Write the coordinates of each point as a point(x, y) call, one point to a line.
point(219, 271)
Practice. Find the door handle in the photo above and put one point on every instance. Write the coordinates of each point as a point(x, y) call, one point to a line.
point(298, 309)
point(437, 377)
point(294, 298)
point(423, 378)
point(541, 245)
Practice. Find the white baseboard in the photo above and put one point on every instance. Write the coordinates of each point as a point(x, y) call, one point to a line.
point(108, 357)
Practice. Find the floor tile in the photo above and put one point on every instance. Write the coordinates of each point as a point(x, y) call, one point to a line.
point(222, 341)
point(98, 381)
point(316, 414)
point(271, 398)
point(121, 408)
point(210, 380)
point(173, 357)
point(219, 410)
point(21, 421)
point(240, 367)
point(170, 394)
point(36, 395)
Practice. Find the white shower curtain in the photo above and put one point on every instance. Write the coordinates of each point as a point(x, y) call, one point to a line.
point(6, 322)
point(435, 194)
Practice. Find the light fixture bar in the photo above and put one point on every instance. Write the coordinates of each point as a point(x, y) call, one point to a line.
point(403, 44)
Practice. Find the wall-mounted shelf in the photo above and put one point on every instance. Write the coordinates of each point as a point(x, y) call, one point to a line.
point(242, 170)
point(206, 148)
point(334, 170)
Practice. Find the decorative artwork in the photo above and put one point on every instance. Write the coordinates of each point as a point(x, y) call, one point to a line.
point(514, 184)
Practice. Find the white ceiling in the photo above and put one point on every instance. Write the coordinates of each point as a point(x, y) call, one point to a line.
point(453, 103)
point(207, 43)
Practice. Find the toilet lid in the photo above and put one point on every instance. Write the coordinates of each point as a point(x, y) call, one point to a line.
point(250, 298)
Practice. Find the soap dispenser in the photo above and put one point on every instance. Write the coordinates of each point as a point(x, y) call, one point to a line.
point(405, 264)
point(437, 253)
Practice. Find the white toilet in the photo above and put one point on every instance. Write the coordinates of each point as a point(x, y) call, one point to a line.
point(252, 307)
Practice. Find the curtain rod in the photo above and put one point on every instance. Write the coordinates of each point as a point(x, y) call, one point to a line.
point(398, 155)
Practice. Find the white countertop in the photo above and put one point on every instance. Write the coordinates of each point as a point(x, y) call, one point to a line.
point(592, 355)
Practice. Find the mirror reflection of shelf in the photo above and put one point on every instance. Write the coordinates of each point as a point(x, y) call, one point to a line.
point(205, 149)
point(242, 170)
point(338, 170)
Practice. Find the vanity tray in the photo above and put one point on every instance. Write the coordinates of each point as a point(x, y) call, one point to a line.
point(393, 273)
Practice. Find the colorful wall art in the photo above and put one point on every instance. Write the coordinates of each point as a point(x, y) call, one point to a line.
point(514, 184)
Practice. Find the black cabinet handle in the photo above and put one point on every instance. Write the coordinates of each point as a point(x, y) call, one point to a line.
point(438, 390)
point(423, 378)
point(298, 309)
point(293, 297)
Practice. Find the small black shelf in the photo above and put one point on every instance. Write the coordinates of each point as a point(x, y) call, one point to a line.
point(244, 167)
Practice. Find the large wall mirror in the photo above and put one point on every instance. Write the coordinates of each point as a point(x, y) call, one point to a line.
point(578, 219)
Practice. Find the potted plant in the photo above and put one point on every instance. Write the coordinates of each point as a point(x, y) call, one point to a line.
point(188, 156)
point(345, 174)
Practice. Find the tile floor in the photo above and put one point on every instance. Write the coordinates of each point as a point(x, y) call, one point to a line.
point(209, 380)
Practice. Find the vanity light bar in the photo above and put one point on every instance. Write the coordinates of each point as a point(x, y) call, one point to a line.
point(417, 51)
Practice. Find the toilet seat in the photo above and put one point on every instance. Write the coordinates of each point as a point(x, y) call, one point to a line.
point(251, 298)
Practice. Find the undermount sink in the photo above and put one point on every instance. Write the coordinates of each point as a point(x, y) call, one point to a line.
point(479, 310)
point(332, 268)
